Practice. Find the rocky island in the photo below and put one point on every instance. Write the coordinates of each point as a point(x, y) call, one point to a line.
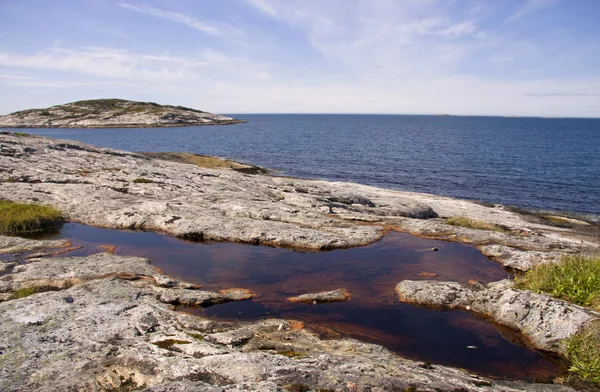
point(108, 322)
point(112, 113)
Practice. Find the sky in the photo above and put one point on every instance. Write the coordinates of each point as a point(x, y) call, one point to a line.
point(479, 57)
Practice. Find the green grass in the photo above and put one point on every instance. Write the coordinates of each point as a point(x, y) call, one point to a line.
point(584, 353)
point(18, 218)
point(142, 181)
point(576, 279)
point(475, 224)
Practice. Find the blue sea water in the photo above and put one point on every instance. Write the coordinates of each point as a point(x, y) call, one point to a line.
point(537, 163)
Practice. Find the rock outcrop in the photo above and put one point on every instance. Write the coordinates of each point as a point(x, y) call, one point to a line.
point(114, 331)
point(112, 113)
point(545, 321)
point(119, 189)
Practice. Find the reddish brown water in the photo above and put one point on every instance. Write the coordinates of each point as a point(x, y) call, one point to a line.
point(369, 273)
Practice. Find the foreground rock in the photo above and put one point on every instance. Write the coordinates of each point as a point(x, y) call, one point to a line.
point(118, 189)
point(112, 113)
point(543, 320)
point(116, 333)
point(338, 295)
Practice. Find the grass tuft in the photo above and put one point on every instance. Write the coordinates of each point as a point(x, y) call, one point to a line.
point(18, 218)
point(27, 291)
point(291, 354)
point(475, 224)
point(584, 353)
point(142, 180)
point(576, 279)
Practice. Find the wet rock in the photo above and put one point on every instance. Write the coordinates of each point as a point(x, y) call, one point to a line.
point(167, 281)
point(6, 265)
point(324, 296)
point(544, 320)
point(53, 253)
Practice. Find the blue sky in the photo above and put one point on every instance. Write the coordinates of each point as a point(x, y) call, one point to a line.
point(509, 57)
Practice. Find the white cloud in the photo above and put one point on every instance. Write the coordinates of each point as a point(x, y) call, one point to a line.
point(263, 6)
point(174, 17)
point(530, 7)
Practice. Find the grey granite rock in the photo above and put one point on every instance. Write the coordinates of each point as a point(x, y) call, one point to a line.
point(18, 245)
point(543, 320)
point(519, 259)
point(337, 295)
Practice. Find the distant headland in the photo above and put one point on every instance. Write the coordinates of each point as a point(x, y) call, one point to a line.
point(113, 113)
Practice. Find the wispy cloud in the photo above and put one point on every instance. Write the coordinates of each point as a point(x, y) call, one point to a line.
point(530, 7)
point(31, 81)
point(263, 6)
point(173, 17)
point(561, 95)
point(118, 64)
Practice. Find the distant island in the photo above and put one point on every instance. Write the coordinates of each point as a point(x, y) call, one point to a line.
point(112, 113)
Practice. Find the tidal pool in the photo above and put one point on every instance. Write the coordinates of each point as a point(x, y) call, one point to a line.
point(369, 273)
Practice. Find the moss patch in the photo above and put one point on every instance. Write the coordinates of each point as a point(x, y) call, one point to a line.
point(142, 181)
point(584, 353)
point(576, 278)
point(291, 354)
point(18, 218)
point(169, 343)
point(475, 224)
point(27, 291)
point(297, 387)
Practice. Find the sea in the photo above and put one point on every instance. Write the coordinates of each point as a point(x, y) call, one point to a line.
point(549, 164)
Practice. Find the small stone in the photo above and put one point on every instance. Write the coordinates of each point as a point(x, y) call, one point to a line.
point(434, 249)
point(324, 296)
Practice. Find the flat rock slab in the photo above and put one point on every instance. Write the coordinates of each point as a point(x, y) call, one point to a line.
point(65, 272)
point(338, 295)
point(13, 245)
point(544, 320)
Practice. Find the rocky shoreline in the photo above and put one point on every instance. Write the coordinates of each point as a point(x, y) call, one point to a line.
point(111, 314)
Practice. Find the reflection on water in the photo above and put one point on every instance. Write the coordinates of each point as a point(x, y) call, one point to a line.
point(369, 273)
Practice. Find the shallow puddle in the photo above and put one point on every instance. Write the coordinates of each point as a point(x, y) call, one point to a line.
point(369, 273)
